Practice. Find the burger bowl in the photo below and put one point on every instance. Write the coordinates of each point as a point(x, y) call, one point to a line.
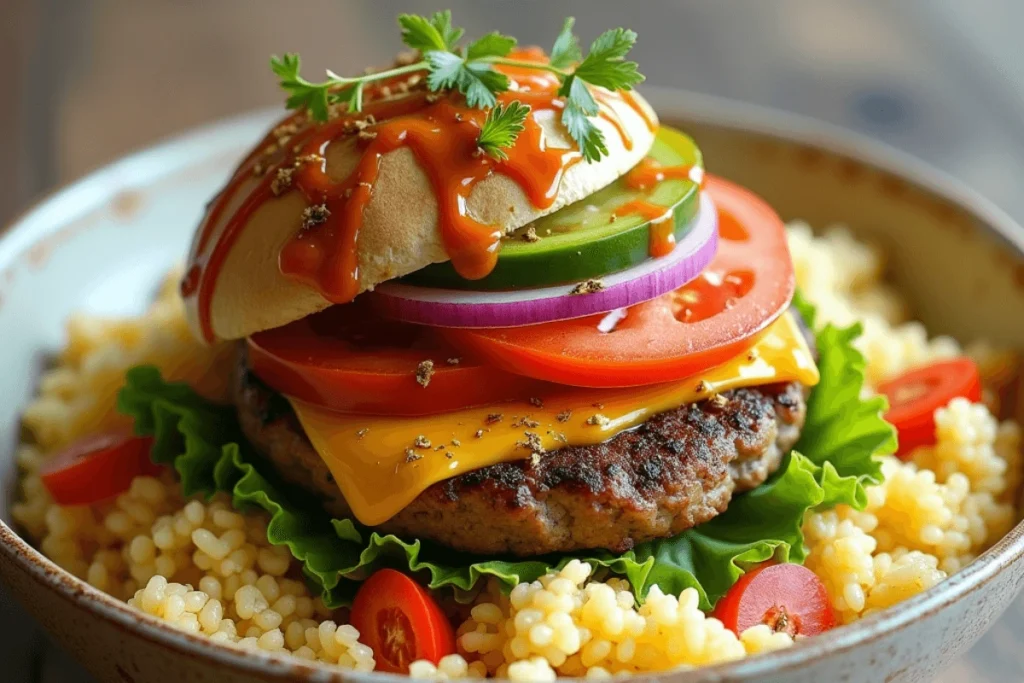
point(103, 244)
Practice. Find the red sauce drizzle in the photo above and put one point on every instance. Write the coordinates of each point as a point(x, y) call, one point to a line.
point(442, 135)
point(662, 232)
point(650, 172)
point(629, 96)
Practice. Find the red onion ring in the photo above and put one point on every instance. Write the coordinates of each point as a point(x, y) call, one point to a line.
point(649, 280)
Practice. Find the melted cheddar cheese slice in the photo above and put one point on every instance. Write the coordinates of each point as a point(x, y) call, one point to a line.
point(382, 463)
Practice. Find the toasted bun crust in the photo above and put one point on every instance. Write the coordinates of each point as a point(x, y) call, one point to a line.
point(400, 232)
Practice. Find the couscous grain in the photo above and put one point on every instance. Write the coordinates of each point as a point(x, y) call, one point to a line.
point(210, 570)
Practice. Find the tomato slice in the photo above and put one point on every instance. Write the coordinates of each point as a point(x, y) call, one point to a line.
point(346, 358)
point(400, 622)
point(98, 467)
point(914, 397)
point(716, 317)
point(786, 597)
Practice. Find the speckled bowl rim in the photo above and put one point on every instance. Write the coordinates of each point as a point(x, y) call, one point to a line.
point(43, 218)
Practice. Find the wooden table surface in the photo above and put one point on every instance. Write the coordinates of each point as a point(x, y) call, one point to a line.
point(85, 81)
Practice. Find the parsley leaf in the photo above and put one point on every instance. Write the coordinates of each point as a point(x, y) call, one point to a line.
point(579, 106)
point(492, 45)
point(445, 69)
point(605, 65)
point(478, 81)
point(425, 35)
point(302, 94)
point(566, 50)
point(501, 128)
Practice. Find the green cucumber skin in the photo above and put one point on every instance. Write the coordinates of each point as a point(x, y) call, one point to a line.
point(592, 252)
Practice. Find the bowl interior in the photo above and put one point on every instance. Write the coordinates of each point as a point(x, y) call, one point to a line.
point(102, 245)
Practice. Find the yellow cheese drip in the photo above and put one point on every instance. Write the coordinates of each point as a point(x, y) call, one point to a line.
point(380, 469)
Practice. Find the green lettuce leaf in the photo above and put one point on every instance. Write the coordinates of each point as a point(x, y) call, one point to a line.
point(205, 445)
point(843, 431)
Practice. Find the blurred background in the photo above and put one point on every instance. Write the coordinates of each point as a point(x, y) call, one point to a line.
point(85, 81)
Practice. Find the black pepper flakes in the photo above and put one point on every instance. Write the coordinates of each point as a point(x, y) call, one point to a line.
point(494, 418)
point(564, 416)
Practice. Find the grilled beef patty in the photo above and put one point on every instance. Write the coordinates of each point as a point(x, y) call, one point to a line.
point(673, 472)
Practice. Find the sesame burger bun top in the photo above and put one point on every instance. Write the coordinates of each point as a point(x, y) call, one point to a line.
point(400, 232)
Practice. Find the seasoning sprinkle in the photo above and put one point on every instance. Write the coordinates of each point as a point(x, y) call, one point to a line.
point(424, 371)
point(309, 159)
point(537, 402)
point(591, 286)
point(421, 442)
point(531, 443)
point(412, 456)
point(564, 416)
point(597, 419)
point(494, 418)
point(362, 432)
point(282, 181)
point(456, 443)
point(531, 235)
point(479, 434)
point(314, 215)
point(718, 401)
point(454, 361)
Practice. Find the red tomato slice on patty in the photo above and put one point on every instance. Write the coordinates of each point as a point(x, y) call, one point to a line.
point(914, 397)
point(348, 359)
point(785, 597)
point(400, 622)
point(707, 322)
point(98, 467)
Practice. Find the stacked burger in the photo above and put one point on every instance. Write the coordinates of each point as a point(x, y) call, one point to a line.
point(491, 316)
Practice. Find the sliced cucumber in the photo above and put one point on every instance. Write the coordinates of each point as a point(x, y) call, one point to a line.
point(583, 240)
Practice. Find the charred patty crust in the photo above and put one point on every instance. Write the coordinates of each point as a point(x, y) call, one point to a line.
point(673, 472)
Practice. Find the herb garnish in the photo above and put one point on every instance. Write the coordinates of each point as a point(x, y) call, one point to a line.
point(501, 128)
point(470, 70)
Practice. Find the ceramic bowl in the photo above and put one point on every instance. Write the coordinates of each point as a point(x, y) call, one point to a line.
point(103, 243)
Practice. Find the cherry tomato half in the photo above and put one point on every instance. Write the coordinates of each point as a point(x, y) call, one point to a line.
point(914, 397)
point(98, 467)
point(348, 359)
point(400, 622)
point(716, 317)
point(786, 597)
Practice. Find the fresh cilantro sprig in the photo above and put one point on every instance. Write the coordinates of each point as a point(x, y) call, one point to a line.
point(470, 70)
point(501, 128)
